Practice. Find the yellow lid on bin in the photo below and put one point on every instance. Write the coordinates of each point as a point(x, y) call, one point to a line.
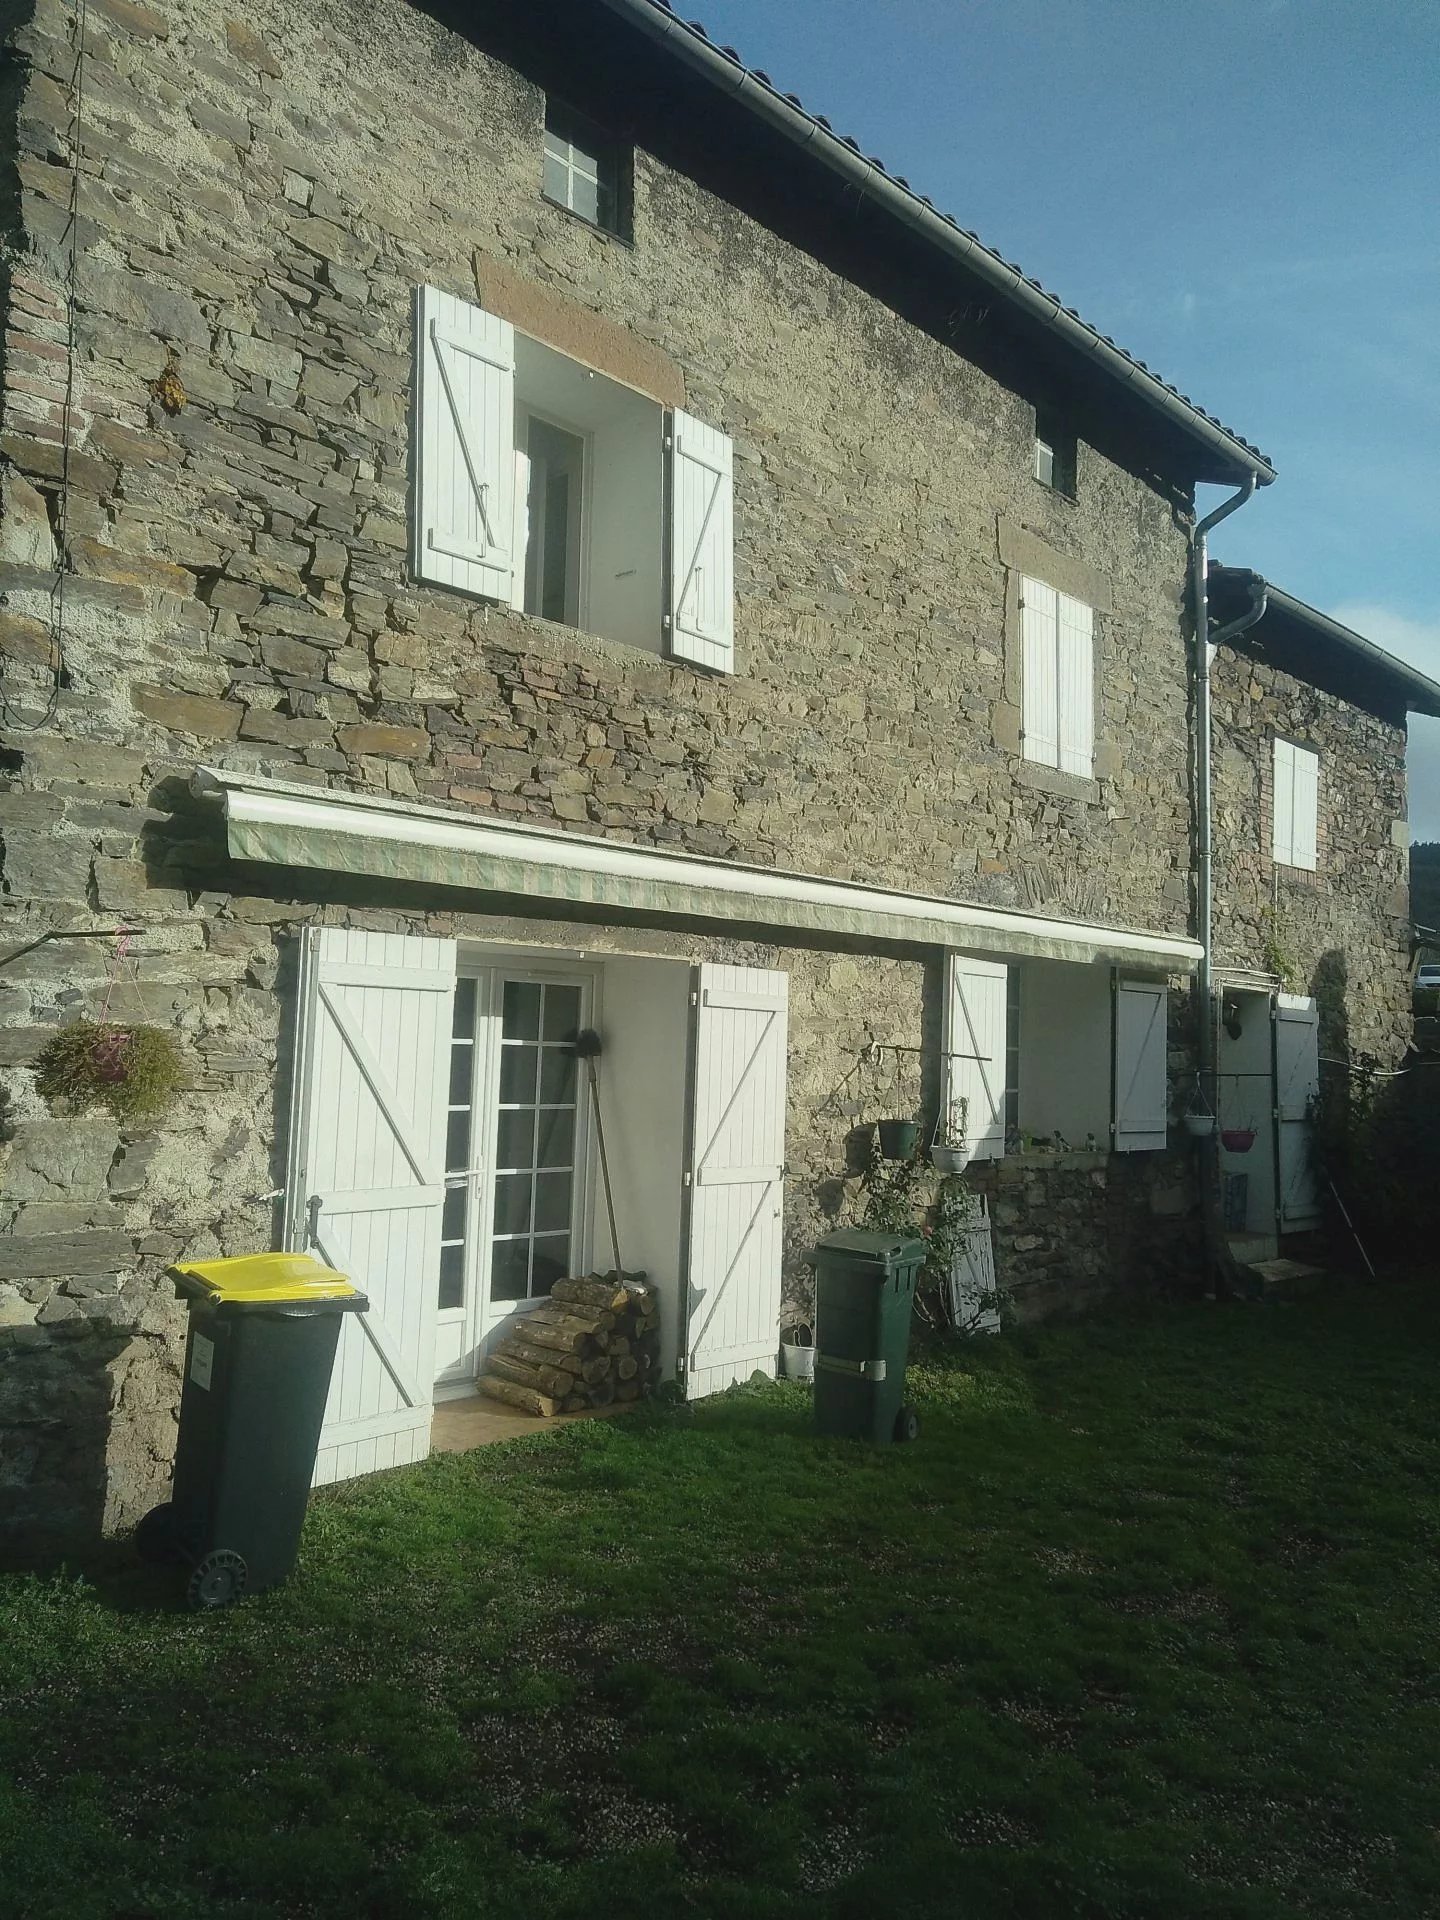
point(253, 1279)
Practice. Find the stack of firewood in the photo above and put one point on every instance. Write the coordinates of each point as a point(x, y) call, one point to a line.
point(594, 1341)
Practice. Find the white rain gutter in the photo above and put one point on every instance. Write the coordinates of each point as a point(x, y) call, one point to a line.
point(284, 823)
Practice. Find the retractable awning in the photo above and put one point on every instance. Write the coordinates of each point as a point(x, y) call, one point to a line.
point(285, 824)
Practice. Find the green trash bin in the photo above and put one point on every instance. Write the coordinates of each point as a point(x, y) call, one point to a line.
point(864, 1294)
point(261, 1346)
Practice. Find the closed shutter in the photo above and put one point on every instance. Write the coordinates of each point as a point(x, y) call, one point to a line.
point(465, 404)
point(737, 1175)
point(702, 534)
point(975, 1050)
point(1297, 1084)
point(1039, 671)
point(1306, 809)
point(1141, 1050)
point(1283, 839)
point(367, 1177)
point(1076, 677)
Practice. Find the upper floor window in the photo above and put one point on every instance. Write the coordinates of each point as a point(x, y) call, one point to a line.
point(1054, 453)
point(584, 170)
point(1295, 818)
point(544, 485)
point(1057, 679)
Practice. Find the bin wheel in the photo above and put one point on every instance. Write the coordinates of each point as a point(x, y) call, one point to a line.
point(218, 1579)
point(155, 1540)
point(907, 1424)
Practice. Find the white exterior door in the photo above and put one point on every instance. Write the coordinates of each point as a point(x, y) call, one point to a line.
point(1141, 1082)
point(737, 1173)
point(366, 1184)
point(1297, 1082)
point(516, 1149)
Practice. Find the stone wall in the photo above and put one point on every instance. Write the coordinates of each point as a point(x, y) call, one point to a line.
point(257, 199)
point(1342, 932)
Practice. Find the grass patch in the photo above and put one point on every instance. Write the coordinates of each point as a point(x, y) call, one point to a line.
point(1148, 1622)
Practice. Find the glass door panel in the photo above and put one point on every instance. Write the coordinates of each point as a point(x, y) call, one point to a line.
point(537, 1136)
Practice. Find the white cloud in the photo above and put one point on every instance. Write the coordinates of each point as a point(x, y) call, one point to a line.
point(1417, 642)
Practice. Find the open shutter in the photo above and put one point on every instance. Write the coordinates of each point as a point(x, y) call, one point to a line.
point(974, 1043)
point(702, 535)
point(1306, 808)
point(367, 1177)
point(1075, 673)
point(1040, 693)
point(465, 452)
point(1141, 1050)
point(1283, 789)
point(1297, 1083)
point(737, 1175)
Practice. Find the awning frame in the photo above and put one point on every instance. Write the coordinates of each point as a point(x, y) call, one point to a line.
point(289, 824)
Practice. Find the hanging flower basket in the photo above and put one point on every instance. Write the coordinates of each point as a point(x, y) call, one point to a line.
point(1199, 1126)
point(897, 1139)
point(130, 1071)
point(1237, 1139)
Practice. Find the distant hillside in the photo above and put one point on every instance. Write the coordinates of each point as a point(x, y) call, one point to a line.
point(1425, 884)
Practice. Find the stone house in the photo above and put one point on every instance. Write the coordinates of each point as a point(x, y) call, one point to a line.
point(506, 532)
point(1312, 926)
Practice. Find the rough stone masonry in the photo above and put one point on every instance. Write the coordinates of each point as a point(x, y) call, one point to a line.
point(257, 197)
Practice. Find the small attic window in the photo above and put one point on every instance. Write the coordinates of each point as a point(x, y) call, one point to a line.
point(585, 170)
point(1054, 465)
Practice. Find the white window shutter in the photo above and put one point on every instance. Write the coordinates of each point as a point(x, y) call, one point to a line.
point(1141, 1052)
point(737, 1175)
point(1040, 685)
point(974, 1040)
point(1306, 809)
point(702, 536)
point(366, 1180)
point(1076, 680)
point(464, 533)
point(1283, 791)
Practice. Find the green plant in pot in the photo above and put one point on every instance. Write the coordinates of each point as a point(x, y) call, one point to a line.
point(950, 1149)
point(130, 1071)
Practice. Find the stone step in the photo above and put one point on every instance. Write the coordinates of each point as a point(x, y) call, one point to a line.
point(1247, 1248)
point(1282, 1279)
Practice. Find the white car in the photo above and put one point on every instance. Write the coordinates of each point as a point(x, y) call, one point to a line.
point(1427, 979)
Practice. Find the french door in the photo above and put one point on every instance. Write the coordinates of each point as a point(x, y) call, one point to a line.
point(516, 1153)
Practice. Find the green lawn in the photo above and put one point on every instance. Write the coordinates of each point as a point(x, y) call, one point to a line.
point(1148, 1623)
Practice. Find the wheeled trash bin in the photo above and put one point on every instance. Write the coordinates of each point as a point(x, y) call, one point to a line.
point(263, 1331)
point(864, 1293)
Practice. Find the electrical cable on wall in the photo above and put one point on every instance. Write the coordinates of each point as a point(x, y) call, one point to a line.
point(12, 718)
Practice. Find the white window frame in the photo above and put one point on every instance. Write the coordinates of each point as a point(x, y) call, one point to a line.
point(583, 163)
point(1295, 805)
point(577, 592)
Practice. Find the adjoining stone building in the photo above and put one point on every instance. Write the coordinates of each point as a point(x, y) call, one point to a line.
point(550, 535)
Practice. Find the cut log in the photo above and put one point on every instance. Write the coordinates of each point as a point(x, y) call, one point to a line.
point(576, 1403)
point(601, 1295)
point(561, 1313)
point(543, 1379)
point(515, 1348)
point(626, 1367)
point(540, 1333)
point(627, 1390)
point(526, 1398)
point(602, 1393)
point(619, 1346)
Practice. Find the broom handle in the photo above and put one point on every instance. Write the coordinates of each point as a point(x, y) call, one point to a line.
point(604, 1165)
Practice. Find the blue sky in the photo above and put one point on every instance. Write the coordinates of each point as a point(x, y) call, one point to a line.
point(1245, 193)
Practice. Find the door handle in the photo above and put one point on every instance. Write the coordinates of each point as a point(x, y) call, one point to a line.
point(312, 1211)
